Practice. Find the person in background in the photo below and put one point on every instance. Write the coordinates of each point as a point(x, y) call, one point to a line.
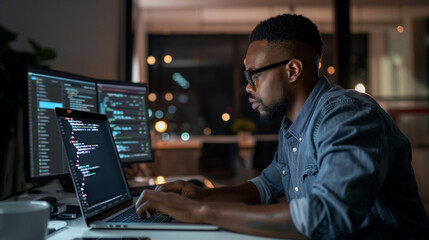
point(342, 163)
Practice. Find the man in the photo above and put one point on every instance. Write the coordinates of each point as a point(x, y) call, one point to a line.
point(342, 164)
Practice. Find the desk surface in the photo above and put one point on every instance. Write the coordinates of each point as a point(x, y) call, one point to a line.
point(77, 228)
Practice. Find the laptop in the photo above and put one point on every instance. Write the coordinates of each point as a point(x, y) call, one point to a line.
point(99, 180)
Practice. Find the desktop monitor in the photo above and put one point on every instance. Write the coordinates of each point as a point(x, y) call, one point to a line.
point(126, 107)
point(46, 90)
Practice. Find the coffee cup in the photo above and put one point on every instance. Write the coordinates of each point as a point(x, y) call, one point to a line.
point(24, 220)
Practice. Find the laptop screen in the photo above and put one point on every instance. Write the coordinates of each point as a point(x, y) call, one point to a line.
point(94, 161)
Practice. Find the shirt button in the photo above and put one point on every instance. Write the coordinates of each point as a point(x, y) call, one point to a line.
point(296, 189)
point(283, 172)
point(294, 149)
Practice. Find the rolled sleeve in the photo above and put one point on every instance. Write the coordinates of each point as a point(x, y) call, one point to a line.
point(299, 212)
point(264, 191)
point(269, 183)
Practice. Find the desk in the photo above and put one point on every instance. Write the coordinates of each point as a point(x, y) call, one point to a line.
point(77, 228)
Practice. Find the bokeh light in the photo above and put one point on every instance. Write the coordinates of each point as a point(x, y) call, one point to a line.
point(360, 88)
point(168, 96)
point(226, 117)
point(183, 98)
point(168, 59)
point(207, 131)
point(151, 60)
point(185, 136)
point(160, 180)
point(172, 109)
point(165, 137)
point(160, 126)
point(159, 114)
point(152, 97)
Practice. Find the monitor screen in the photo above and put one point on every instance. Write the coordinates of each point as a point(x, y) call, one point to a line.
point(46, 90)
point(126, 107)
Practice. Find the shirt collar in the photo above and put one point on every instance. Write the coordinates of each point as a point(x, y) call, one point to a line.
point(297, 128)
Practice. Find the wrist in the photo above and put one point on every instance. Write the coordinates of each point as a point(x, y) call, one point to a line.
point(203, 213)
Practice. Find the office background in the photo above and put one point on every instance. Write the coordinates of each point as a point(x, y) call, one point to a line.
point(389, 55)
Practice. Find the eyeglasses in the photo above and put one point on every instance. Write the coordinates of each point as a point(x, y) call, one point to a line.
point(249, 73)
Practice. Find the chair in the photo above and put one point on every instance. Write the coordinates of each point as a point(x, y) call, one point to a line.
point(220, 159)
point(264, 153)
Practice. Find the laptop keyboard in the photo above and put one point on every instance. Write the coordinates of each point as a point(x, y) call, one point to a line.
point(131, 216)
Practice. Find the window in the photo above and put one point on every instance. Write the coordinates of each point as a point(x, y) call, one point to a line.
point(197, 84)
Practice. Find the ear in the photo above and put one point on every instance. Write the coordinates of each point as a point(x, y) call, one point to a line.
point(294, 70)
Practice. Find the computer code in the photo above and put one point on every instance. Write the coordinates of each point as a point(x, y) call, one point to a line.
point(94, 163)
point(126, 109)
point(83, 148)
point(45, 93)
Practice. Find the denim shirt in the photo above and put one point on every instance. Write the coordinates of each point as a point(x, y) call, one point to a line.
point(345, 168)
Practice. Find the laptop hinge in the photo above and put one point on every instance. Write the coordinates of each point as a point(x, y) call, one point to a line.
point(109, 212)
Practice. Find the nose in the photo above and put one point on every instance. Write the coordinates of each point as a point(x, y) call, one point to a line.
point(250, 89)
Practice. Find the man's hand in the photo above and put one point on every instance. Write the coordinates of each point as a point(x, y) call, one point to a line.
point(173, 204)
point(183, 188)
point(232, 208)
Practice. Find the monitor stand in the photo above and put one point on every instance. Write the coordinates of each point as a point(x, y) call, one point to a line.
point(72, 209)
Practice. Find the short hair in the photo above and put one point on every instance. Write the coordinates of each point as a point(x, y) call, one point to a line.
point(288, 27)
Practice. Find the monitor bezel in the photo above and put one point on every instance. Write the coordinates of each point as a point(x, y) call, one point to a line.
point(27, 152)
point(127, 83)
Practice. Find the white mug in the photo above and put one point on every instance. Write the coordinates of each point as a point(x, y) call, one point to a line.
point(24, 220)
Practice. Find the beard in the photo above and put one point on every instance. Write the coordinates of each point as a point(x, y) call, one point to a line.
point(270, 113)
point(278, 109)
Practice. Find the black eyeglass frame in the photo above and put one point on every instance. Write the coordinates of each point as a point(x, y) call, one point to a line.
point(249, 73)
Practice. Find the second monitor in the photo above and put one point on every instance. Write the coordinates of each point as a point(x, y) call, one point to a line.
point(126, 107)
point(124, 103)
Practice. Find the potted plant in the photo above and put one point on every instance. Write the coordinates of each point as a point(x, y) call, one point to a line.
point(12, 83)
point(244, 128)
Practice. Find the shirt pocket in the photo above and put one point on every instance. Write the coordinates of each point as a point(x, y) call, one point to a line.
point(309, 174)
point(284, 173)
